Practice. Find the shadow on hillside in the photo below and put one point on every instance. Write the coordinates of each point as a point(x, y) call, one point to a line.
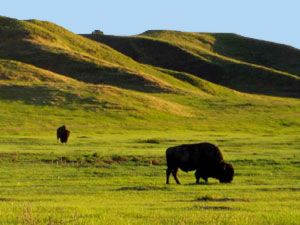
point(40, 95)
point(160, 54)
point(235, 75)
point(76, 67)
point(272, 55)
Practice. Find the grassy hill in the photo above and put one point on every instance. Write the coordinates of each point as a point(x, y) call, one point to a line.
point(243, 64)
point(53, 48)
point(50, 76)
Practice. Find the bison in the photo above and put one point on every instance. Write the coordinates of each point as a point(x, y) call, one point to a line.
point(205, 158)
point(63, 134)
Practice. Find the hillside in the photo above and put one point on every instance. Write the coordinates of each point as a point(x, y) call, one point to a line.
point(239, 63)
point(160, 80)
point(53, 48)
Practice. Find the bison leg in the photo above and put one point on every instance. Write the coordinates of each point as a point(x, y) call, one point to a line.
point(168, 174)
point(197, 175)
point(174, 173)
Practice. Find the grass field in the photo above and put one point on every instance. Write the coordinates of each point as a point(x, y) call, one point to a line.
point(125, 101)
point(120, 179)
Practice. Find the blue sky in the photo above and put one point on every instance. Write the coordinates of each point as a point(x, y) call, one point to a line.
point(275, 21)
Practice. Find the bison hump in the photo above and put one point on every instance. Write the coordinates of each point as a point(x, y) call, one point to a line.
point(190, 154)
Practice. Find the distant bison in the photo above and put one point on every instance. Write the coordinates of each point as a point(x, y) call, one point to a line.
point(63, 134)
point(205, 158)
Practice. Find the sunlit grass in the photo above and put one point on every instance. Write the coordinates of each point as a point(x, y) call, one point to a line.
point(119, 184)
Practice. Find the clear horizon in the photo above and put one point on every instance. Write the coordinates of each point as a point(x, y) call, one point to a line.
point(270, 21)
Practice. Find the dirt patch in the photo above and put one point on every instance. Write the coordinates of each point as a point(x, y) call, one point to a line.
point(155, 141)
point(98, 160)
point(216, 208)
point(101, 174)
point(197, 207)
point(8, 200)
point(143, 188)
point(211, 199)
point(119, 159)
point(279, 189)
point(22, 200)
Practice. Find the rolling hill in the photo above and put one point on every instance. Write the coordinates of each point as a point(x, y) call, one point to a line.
point(239, 63)
point(49, 76)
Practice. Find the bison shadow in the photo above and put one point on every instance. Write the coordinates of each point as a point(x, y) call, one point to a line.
point(202, 183)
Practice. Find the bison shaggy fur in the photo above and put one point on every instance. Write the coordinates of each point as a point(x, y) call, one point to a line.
point(205, 158)
point(63, 134)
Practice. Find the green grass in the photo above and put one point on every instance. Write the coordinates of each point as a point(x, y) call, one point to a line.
point(26, 108)
point(111, 179)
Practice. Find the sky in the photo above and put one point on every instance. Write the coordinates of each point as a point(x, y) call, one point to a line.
point(271, 20)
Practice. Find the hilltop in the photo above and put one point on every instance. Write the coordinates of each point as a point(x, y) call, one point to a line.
point(155, 80)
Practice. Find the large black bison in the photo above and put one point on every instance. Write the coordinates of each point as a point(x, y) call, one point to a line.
point(205, 158)
point(63, 134)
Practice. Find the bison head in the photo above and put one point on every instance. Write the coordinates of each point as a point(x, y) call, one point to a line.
point(227, 173)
